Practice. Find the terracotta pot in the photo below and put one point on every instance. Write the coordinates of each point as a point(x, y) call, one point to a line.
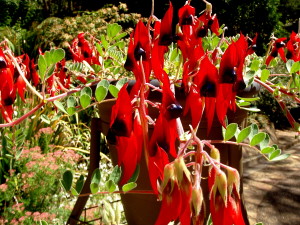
point(144, 208)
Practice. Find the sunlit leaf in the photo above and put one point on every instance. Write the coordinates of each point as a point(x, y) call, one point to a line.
point(280, 157)
point(274, 154)
point(230, 131)
point(60, 106)
point(243, 134)
point(57, 55)
point(264, 75)
point(101, 93)
point(110, 186)
point(85, 100)
point(257, 138)
point(116, 174)
point(113, 90)
point(129, 186)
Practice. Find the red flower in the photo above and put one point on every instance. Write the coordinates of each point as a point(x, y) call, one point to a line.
point(207, 22)
point(176, 193)
point(130, 151)
point(293, 47)
point(277, 48)
point(122, 114)
point(231, 76)
point(139, 48)
point(207, 83)
point(166, 35)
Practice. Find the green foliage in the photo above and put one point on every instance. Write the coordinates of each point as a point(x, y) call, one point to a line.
point(256, 138)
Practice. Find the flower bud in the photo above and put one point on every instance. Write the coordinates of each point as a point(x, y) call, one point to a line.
point(215, 154)
point(233, 179)
point(197, 200)
point(181, 170)
point(220, 185)
point(168, 175)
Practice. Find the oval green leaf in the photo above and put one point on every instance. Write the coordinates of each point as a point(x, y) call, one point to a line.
point(113, 90)
point(94, 188)
point(110, 186)
point(57, 55)
point(243, 134)
point(71, 101)
point(230, 131)
point(264, 75)
point(129, 186)
point(281, 157)
point(116, 174)
point(79, 184)
point(87, 91)
point(60, 106)
point(85, 100)
point(96, 176)
point(274, 154)
point(101, 93)
point(67, 180)
point(257, 138)
point(267, 150)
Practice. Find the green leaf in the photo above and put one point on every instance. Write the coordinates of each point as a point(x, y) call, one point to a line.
point(254, 130)
point(104, 41)
point(116, 174)
point(230, 131)
point(274, 154)
point(74, 192)
point(241, 104)
point(57, 55)
point(296, 67)
point(43, 222)
point(67, 180)
point(118, 37)
point(48, 58)
point(110, 186)
point(267, 150)
point(243, 134)
point(96, 176)
point(104, 83)
point(49, 71)
point(71, 101)
point(71, 110)
point(79, 184)
point(255, 65)
point(264, 75)
point(42, 66)
point(121, 82)
point(135, 175)
point(257, 138)
point(94, 188)
point(281, 157)
point(289, 65)
point(113, 90)
point(174, 54)
point(260, 223)
point(101, 93)
point(265, 142)
point(113, 30)
point(87, 91)
point(95, 181)
point(248, 99)
point(85, 100)
point(60, 106)
point(129, 186)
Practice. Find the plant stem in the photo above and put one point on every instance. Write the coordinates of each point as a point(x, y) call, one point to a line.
point(23, 76)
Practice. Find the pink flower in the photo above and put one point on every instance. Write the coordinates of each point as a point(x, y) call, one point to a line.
point(3, 187)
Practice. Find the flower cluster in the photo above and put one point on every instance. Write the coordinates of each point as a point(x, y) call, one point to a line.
point(210, 82)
